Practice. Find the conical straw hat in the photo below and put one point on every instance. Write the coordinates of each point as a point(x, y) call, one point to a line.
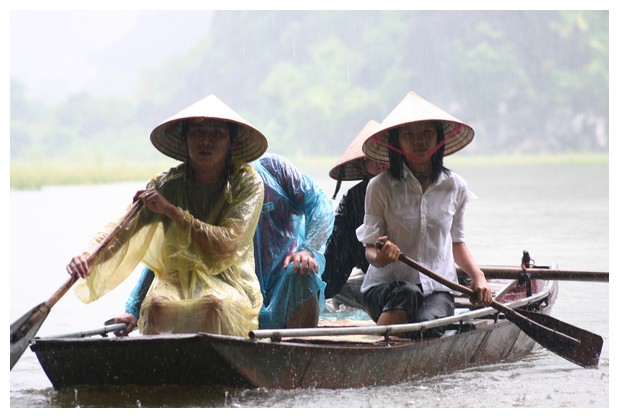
point(347, 168)
point(247, 145)
point(414, 108)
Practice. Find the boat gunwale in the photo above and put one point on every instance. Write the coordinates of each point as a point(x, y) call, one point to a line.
point(394, 329)
point(322, 331)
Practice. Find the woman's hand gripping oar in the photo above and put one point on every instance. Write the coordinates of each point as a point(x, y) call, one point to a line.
point(26, 327)
point(574, 344)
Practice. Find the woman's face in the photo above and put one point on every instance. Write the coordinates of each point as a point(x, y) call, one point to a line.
point(418, 139)
point(208, 141)
point(374, 167)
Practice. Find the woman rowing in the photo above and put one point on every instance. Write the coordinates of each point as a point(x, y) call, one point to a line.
point(417, 208)
point(195, 230)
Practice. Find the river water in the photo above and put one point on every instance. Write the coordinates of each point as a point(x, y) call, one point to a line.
point(559, 214)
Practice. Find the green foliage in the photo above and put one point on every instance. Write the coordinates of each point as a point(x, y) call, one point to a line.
point(527, 81)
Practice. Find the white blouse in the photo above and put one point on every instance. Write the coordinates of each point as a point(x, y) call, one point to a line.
point(423, 225)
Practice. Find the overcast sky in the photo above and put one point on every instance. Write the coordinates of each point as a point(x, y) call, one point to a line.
point(45, 46)
point(57, 53)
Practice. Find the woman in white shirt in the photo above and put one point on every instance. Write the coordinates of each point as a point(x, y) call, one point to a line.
point(417, 208)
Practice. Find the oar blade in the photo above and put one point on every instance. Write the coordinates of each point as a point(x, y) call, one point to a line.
point(582, 347)
point(24, 329)
point(574, 344)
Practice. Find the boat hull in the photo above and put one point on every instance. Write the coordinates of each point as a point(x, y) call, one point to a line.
point(172, 360)
point(323, 365)
point(319, 362)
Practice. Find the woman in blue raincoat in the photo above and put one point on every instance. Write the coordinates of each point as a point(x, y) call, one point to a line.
point(289, 244)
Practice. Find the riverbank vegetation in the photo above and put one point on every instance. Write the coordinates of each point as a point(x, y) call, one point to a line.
point(40, 174)
point(310, 80)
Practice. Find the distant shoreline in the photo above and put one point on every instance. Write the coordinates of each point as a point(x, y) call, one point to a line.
point(34, 175)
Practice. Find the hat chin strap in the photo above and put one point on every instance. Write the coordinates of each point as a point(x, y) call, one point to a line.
point(413, 158)
point(339, 182)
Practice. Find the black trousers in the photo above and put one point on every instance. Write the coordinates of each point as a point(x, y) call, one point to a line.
point(408, 297)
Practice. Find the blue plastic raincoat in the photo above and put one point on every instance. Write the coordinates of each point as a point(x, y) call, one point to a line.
point(296, 215)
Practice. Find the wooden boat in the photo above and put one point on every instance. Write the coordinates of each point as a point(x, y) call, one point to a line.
point(326, 356)
point(337, 354)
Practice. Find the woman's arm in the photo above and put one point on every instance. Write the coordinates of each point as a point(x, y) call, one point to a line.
point(388, 254)
point(464, 259)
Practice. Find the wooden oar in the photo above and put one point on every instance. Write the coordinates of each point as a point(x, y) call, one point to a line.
point(499, 272)
point(82, 334)
point(26, 327)
point(574, 344)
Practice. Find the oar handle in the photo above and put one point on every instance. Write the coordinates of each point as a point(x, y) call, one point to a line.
point(137, 205)
point(448, 283)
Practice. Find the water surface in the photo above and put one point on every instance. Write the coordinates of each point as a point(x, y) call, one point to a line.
point(559, 214)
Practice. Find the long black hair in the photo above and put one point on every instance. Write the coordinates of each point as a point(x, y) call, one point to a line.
point(397, 160)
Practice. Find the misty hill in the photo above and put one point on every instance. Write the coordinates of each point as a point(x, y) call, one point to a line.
point(527, 81)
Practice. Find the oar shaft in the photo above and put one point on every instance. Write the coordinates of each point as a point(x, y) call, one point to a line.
point(122, 224)
point(492, 272)
point(61, 291)
point(99, 331)
point(448, 283)
point(26, 327)
point(510, 313)
point(574, 344)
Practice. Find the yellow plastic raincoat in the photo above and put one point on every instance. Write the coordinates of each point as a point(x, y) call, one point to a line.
point(226, 214)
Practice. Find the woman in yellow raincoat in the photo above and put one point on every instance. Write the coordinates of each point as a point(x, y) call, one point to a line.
point(194, 231)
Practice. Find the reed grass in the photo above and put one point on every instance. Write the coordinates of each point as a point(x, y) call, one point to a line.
point(29, 175)
point(525, 159)
point(34, 176)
